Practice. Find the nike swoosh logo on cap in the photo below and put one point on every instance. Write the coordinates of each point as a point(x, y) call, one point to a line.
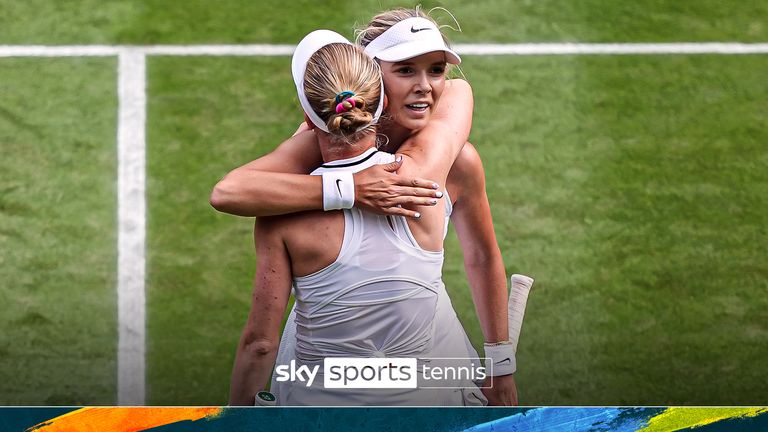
point(413, 30)
point(339, 187)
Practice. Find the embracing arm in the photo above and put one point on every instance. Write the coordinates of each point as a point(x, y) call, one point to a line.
point(439, 143)
point(257, 350)
point(482, 261)
point(277, 183)
point(431, 153)
point(273, 184)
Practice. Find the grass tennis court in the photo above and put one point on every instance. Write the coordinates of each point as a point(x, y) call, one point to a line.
point(57, 231)
point(630, 187)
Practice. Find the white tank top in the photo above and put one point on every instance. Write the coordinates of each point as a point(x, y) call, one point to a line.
point(378, 298)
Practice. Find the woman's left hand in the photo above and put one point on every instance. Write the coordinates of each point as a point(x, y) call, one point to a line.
point(500, 390)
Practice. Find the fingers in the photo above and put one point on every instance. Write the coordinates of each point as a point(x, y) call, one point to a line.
point(417, 183)
point(399, 211)
point(502, 400)
point(411, 200)
point(394, 166)
point(394, 206)
point(418, 192)
point(411, 196)
point(502, 392)
point(415, 191)
point(405, 181)
point(380, 190)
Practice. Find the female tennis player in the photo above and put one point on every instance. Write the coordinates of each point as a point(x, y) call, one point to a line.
point(366, 285)
point(270, 185)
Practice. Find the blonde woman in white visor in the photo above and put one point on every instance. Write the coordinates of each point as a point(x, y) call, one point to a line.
point(366, 285)
point(270, 185)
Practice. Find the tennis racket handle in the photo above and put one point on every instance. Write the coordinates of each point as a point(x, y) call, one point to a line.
point(518, 297)
point(265, 398)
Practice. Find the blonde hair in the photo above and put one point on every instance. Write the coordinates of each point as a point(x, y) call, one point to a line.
point(337, 68)
point(383, 21)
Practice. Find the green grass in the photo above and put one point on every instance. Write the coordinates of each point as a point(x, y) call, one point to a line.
point(202, 123)
point(198, 21)
point(630, 187)
point(57, 231)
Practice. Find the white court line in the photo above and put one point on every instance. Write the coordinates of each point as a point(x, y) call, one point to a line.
point(131, 267)
point(132, 159)
point(463, 49)
point(58, 51)
point(220, 50)
point(612, 49)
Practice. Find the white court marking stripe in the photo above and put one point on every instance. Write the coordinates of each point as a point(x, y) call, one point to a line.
point(612, 48)
point(220, 50)
point(57, 51)
point(464, 49)
point(131, 175)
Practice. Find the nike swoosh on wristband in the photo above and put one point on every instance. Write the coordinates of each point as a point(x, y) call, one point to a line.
point(339, 187)
point(413, 30)
point(505, 360)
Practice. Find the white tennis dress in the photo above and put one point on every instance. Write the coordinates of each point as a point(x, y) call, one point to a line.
point(382, 297)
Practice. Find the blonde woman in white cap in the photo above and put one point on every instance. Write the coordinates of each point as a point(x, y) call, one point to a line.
point(411, 82)
point(366, 285)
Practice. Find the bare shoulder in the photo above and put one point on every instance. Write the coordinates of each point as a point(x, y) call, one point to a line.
point(454, 110)
point(467, 177)
point(468, 163)
point(457, 88)
point(458, 84)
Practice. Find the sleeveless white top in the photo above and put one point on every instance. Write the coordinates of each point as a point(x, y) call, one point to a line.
point(378, 298)
point(396, 311)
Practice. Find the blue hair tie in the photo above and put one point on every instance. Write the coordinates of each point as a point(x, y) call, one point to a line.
point(340, 97)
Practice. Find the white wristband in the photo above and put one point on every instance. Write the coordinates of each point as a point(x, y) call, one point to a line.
point(500, 359)
point(338, 190)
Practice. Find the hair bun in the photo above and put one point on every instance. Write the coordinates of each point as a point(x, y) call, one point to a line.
point(349, 122)
point(343, 86)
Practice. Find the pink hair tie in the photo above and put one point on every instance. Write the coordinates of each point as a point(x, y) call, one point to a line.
point(340, 108)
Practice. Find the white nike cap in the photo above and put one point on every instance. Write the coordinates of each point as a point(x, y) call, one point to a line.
point(304, 51)
point(409, 38)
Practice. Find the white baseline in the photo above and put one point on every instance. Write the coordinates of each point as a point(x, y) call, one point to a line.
point(463, 49)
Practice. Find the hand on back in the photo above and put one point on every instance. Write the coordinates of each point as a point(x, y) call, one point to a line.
point(380, 189)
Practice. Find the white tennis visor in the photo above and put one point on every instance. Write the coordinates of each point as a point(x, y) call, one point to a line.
point(304, 51)
point(409, 38)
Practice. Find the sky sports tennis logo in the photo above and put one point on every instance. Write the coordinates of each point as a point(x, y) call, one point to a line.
point(386, 373)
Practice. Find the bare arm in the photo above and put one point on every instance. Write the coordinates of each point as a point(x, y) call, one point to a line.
point(271, 184)
point(432, 152)
point(482, 258)
point(482, 261)
point(433, 149)
point(258, 345)
point(437, 145)
point(277, 183)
